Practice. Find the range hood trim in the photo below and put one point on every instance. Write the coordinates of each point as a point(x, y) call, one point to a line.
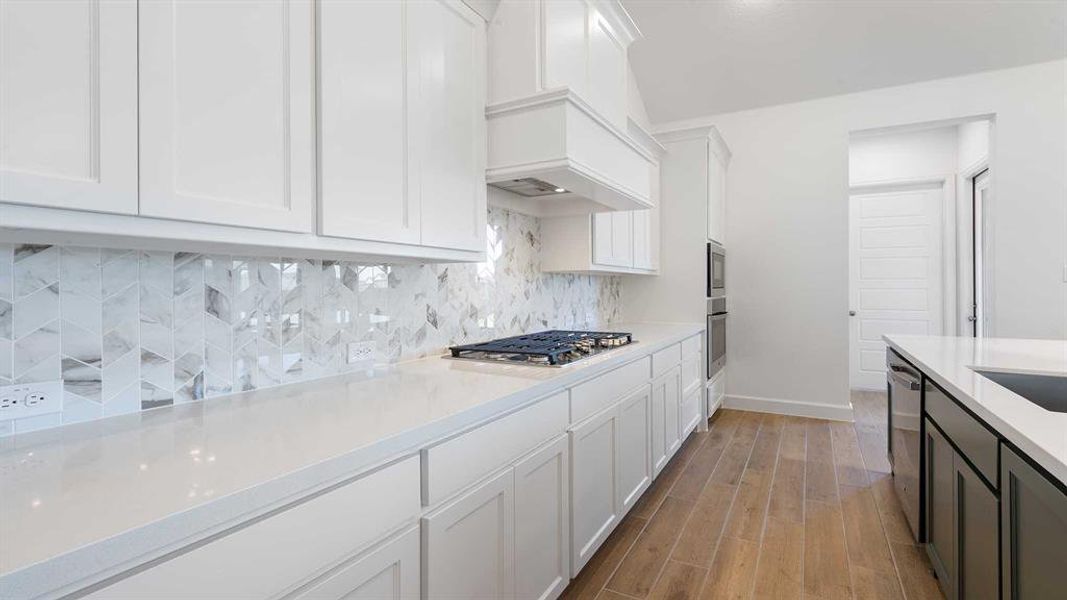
point(552, 136)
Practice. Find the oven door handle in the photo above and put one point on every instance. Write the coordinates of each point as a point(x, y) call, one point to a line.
point(904, 378)
point(717, 317)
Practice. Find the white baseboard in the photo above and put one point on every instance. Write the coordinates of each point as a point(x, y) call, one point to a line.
point(833, 412)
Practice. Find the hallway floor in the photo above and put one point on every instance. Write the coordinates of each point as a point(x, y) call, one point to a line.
point(768, 506)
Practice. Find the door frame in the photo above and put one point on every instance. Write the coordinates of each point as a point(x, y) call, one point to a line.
point(949, 310)
point(967, 223)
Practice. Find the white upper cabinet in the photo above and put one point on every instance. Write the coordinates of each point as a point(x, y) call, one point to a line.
point(447, 91)
point(717, 198)
point(402, 122)
point(699, 159)
point(613, 239)
point(68, 104)
point(227, 112)
point(363, 116)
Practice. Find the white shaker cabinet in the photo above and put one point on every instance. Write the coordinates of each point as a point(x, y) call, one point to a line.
point(227, 112)
point(542, 522)
point(469, 544)
point(666, 426)
point(68, 104)
point(634, 460)
point(363, 117)
point(717, 198)
point(447, 90)
point(594, 483)
point(388, 572)
point(613, 240)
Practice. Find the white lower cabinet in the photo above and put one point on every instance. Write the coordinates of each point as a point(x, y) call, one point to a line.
point(542, 522)
point(469, 549)
point(634, 462)
point(594, 481)
point(666, 425)
point(389, 572)
point(285, 551)
point(611, 466)
point(690, 410)
point(521, 516)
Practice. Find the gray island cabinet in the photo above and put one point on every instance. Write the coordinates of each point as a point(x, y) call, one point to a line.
point(995, 521)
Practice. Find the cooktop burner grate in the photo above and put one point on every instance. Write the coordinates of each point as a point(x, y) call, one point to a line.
point(552, 348)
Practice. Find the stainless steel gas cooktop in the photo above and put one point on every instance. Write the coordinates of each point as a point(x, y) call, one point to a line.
point(554, 348)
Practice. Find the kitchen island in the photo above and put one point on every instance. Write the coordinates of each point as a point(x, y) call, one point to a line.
point(993, 442)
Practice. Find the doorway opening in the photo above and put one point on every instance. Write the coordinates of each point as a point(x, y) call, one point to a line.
point(920, 204)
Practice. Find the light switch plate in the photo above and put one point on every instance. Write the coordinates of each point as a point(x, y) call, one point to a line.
point(30, 400)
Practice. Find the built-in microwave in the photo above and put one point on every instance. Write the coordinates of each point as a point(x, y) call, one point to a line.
point(716, 276)
point(716, 335)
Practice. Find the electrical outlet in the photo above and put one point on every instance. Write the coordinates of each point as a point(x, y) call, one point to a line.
point(360, 352)
point(30, 400)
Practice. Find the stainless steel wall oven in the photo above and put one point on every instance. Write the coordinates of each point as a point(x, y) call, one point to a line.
point(716, 335)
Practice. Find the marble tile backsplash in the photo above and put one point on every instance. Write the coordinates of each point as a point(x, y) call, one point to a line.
point(130, 330)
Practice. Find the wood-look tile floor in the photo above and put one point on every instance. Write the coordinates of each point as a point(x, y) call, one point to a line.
point(768, 506)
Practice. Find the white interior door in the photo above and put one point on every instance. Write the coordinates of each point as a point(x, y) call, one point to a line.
point(895, 278)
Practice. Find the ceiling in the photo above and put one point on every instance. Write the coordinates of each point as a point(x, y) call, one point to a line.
point(702, 57)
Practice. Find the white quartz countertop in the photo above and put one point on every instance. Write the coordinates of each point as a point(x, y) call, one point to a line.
point(100, 497)
point(950, 361)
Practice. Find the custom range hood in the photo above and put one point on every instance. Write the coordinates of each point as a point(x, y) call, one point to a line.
point(558, 106)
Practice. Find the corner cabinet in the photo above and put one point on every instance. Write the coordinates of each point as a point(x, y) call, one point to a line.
point(345, 129)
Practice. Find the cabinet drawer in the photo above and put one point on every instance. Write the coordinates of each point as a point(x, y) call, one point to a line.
point(690, 347)
point(978, 444)
point(454, 464)
point(692, 375)
point(595, 395)
point(279, 552)
point(663, 360)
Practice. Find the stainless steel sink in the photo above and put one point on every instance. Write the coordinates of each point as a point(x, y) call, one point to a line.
point(1047, 391)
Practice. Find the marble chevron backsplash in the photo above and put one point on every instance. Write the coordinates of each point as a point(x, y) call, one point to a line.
point(131, 330)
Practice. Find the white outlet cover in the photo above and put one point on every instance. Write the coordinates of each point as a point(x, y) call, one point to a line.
point(17, 401)
point(360, 352)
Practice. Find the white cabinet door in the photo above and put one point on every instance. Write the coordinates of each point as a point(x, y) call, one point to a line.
point(447, 63)
point(613, 238)
point(666, 427)
point(68, 104)
point(542, 522)
point(634, 460)
point(672, 410)
point(657, 443)
point(594, 482)
point(690, 411)
point(389, 572)
point(642, 239)
point(470, 543)
point(227, 112)
point(363, 114)
point(716, 200)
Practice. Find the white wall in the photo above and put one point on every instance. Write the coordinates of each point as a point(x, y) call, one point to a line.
point(972, 144)
point(902, 156)
point(787, 220)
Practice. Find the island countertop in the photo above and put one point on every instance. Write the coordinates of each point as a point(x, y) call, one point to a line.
point(951, 363)
point(97, 497)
